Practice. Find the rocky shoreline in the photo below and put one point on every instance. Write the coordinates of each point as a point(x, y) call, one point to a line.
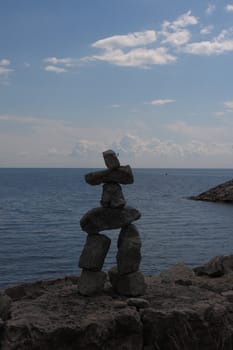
point(220, 193)
point(181, 309)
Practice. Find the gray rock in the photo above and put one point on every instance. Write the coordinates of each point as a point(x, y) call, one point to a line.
point(112, 196)
point(139, 303)
point(228, 294)
point(111, 160)
point(132, 284)
point(113, 275)
point(94, 252)
point(91, 283)
point(216, 267)
point(5, 305)
point(129, 250)
point(220, 193)
point(179, 274)
point(100, 219)
point(122, 175)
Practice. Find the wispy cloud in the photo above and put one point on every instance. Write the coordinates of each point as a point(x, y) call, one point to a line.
point(176, 33)
point(228, 104)
point(5, 69)
point(177, 38)
point(60, 65)
point(55, 69)
point(148, 48)
point(210, 9)
point(206, 30)
point(161, 102)
point(229, 8)
point(141, 57)
point(218, 45)
point(128, 40)
point(65, 61)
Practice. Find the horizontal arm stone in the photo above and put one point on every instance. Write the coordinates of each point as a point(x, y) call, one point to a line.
point(100, 219)
point(122, 175)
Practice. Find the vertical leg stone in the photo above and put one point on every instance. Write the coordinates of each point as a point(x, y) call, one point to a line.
point(94, 252)
point(129, 250)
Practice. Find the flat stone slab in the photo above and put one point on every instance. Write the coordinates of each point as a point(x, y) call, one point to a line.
point(94, 252)
point(220, 193)
point(111, 160)
point(91, 283)
point(122, 175)
point(112, 196)
point(100, 219)
point(129, 250)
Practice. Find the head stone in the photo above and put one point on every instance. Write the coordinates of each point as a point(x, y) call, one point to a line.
point(111, 160)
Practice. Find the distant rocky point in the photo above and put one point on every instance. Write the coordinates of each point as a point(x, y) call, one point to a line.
point(182, 309)
point(220, 193)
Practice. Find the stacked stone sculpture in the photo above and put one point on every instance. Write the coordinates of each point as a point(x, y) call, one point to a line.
point(126, 279)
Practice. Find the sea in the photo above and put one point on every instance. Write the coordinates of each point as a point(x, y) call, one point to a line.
point(40, 210)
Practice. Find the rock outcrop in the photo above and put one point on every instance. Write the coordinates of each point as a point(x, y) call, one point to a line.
point(126, 278)
point(220, 193)
point(179, 310)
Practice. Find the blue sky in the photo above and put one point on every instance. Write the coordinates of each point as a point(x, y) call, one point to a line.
point(152, 80)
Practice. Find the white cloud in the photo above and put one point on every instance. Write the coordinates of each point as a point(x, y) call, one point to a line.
point(228, 104)
point(67, 145)
point(177, 38)
point(5, 70)
point(185, 20)
point(4, 62)
point(229, 8)
point(140, 57)
point(218, 45)
point(202, 133)
point(55, 69)
point(60, 65)
point(65, 61)
point(175, 32)
point(210, 9)
point(128, 40)
point(161, 102)
point(206, 30)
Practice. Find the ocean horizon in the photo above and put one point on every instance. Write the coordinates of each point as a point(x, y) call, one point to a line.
point(40, 210)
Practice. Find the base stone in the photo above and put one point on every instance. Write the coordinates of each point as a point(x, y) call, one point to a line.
point(132, 284)
point(91, 283)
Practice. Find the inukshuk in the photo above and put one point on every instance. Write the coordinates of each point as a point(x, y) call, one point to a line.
point(126, 279)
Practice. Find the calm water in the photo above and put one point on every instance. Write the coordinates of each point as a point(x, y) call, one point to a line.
point(40, 211)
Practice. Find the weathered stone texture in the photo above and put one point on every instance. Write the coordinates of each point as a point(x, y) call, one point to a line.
point(91, 283)
point(122, 175)
point(94, 252)
point(100, 219)
point(112, 196)
point(216, 267)
point(132, 284)
point(220, 193)
point(5, 304)
point(129, 250)
point(111, 160)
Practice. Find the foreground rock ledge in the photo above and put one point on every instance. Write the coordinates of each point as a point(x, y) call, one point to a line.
point(221, 193)
point(178, 311)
